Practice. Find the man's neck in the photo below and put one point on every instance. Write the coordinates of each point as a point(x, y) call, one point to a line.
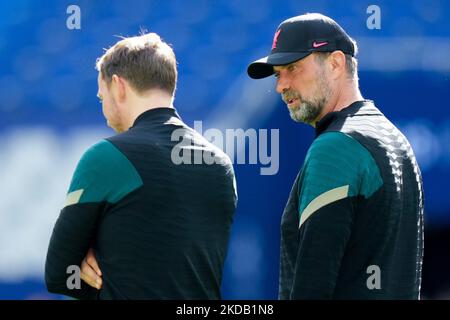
point(141, 104)
point(343, 98)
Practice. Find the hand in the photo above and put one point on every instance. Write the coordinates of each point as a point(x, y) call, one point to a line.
point(90, 272)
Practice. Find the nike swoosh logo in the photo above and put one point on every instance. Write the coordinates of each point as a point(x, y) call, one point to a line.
point(320, 44)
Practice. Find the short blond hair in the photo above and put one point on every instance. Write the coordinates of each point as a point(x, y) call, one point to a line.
point(145, 61)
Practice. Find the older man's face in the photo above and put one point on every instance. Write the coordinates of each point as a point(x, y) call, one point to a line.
point(304, 87)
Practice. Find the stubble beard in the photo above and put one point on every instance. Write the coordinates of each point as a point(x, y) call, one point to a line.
point(309, 109)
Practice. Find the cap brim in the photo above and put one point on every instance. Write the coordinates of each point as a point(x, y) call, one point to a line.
point(263, 67)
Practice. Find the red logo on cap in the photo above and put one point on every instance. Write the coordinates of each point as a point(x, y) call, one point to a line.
point(319, 44)
point(275, 39)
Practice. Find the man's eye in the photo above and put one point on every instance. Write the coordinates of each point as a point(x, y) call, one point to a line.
point(277, 75)
point(291, 68)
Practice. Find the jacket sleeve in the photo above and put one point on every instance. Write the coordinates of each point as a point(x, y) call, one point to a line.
point(72, 236)
point(338, 173)
point(103, 176)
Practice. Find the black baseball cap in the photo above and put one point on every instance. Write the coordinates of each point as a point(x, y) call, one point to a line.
point(298, 37)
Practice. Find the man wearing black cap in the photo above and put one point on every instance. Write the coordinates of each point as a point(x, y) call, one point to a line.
point(353, 224)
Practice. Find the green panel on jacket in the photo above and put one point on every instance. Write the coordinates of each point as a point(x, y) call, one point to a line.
point(103, 173)
point(336, 166)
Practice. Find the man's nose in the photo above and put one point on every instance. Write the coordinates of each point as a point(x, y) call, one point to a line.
point(282, 84)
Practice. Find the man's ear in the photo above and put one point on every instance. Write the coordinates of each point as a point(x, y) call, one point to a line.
point(337, 64)
point(118, 88)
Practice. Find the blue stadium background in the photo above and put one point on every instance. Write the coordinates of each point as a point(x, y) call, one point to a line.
point(49, 114)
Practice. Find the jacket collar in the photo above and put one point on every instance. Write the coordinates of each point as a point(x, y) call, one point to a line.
point(357, 108)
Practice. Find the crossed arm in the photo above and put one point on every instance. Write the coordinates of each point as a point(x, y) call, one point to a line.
point(90, 271)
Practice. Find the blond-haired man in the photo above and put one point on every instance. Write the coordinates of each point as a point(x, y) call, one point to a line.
point(155, 227)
